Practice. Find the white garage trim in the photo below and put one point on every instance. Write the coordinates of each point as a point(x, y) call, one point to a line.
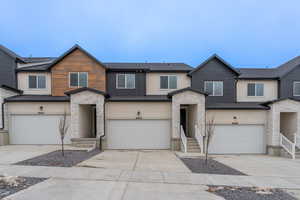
point(138, 134)
point(238, 139)
point(35, 129)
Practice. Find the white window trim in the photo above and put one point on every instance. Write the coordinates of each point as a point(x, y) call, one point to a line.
point(168, 83)
point(87, 79)
point(37, 82)
point(214, 88)
point(122, 88)
point(255, 92)
point(295, 95)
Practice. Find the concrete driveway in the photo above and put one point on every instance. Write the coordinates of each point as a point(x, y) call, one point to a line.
point(15, 153)
point(262, 165)
point(141, 175)
point(146, 160)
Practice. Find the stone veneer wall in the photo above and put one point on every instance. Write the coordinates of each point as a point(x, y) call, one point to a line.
point(273, 123)
point(187, 97)
point(84, 98)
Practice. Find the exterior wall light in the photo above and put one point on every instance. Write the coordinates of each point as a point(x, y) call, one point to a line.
point(235, 121)
point(138, 115)
point(41, 110)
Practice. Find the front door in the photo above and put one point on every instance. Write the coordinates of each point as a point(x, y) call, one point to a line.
point(183, 121)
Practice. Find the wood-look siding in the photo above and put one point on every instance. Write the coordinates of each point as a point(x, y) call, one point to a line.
point(77, 61)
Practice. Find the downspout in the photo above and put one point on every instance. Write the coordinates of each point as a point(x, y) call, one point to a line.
point(2, 107)
point(102, 136)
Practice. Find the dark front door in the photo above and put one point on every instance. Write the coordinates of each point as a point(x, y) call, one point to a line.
point(183, 120)
point(95, 121)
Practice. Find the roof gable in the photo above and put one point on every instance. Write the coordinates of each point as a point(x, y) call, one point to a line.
point(74, 48)
point(287, 67)
point(214, 56)
point(11, 53)
point(170, 94)
point(78, 90)
point(279, 100)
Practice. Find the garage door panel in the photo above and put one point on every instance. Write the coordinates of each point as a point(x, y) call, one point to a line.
point(138, 134)
point(35, 129)
point(238, 139)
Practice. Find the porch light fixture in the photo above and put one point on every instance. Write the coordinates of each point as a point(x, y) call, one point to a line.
point(41, 111)
point(138, 115)
point(235, 121)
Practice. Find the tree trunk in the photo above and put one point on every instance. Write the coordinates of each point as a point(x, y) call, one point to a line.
point(62, 147)
point(206, 152)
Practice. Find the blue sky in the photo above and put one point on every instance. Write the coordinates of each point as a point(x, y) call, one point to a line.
point(246, 33)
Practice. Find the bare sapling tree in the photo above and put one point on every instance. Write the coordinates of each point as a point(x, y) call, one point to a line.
point(63, 128)
point(209, 132)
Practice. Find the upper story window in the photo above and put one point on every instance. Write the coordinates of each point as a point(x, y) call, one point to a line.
point(214, 88)
point(255, 89)
point(36, 81)
point(78, 79)
point(168, 82)
point(296, 88)
point(125, 81)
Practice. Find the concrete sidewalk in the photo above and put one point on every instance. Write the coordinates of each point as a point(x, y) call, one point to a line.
point(62, 189)
point(95, 174)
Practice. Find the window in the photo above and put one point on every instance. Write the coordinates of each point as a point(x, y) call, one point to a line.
point(126, 81)
point(37, 81)
point(214, 88)
point(296, 89)
point(78, 79)
point(168, 82)
point(255, 89)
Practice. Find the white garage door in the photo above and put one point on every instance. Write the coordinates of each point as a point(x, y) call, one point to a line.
point(35, 129)
point(238, 139)
point(138, 134)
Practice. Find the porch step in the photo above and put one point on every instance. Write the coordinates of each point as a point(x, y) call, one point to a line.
point(192, 146)
point(85, 142)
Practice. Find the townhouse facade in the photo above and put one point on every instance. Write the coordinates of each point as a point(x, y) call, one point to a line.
point(149, 105)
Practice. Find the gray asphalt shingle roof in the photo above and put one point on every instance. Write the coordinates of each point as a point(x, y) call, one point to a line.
point(238, 105)
point(140, 98)
point(244, 73)
point(150, 66)
point(37, 98)
point(38, 59)
point(265, 73)
point(259, 73)
point(41, 67)
point(125, 66)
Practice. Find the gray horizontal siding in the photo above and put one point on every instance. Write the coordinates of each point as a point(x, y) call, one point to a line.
point(214, 70)
point(140, 85)
point(286, 84)
point(7, 70)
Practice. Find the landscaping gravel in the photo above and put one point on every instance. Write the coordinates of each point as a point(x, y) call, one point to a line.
point(198, 165)
point(248, 193)
point(55, 158)
point(15, 184)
